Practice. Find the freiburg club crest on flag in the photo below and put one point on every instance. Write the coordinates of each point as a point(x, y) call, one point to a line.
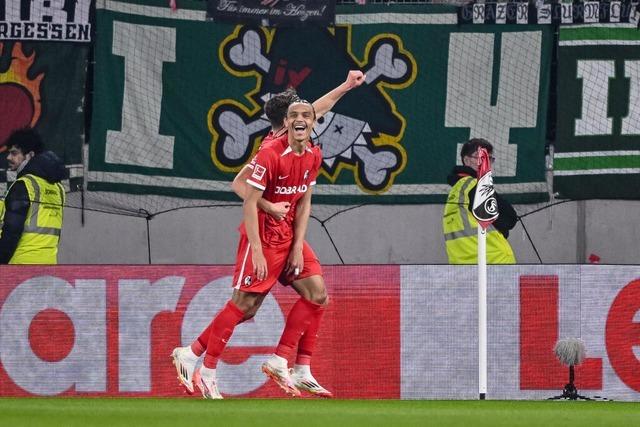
point(485, 205)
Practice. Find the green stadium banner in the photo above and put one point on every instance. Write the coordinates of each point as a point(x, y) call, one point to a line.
point(597, 151)
point(42, 85)
point(178, 100)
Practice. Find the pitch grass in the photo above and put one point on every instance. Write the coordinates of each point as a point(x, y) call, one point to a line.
point(256, 412)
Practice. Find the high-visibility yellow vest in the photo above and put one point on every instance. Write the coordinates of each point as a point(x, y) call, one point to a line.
point(43, 224)
point(461, 230)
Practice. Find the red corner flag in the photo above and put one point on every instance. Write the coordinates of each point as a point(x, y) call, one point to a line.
point(485, 206)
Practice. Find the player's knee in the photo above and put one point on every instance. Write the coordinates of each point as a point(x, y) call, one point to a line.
point(326, 299)
point(250, 311)
point(247, 303)
point(253, 307)
point(320, 297)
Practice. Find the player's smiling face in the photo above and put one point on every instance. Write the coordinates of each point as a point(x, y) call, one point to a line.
point(300, 119)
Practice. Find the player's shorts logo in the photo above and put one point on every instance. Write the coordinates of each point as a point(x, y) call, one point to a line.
point(364, 142)
point(247, 281)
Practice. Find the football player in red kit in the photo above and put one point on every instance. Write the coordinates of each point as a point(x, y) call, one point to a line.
point(284, 170)
point(307, 281)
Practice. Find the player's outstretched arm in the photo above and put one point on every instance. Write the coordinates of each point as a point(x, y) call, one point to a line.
point(325, 103)
point(239, 186)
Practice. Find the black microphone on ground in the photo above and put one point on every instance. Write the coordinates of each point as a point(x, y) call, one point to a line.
point(571, 352)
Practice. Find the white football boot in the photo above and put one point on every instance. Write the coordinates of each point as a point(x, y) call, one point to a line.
point(185, 362)
point(276, 369)
point(303, 380)
point(207, 385)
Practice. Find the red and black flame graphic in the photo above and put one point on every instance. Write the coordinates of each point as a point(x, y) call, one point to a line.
point(20, 104)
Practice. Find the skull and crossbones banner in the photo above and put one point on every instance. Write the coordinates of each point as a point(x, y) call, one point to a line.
point(179, 105)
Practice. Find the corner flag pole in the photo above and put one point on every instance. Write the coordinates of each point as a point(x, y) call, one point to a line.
point(485, 210)
point(482, 312)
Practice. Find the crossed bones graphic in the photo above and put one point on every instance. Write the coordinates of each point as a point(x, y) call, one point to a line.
point(339, 136)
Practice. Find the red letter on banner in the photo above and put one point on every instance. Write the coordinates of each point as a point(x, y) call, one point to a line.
point(539, 368)
point(622, 334)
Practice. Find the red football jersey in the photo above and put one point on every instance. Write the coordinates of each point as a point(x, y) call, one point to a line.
point(270, 136)
point(283, 176)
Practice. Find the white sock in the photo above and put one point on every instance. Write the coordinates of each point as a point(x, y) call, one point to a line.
point(190, 354)
point(279, 361)
point(302, 370)
point(208, 373)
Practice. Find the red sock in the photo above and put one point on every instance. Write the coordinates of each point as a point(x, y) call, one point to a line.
point(298, 321)
point(220, 330)
point(200, 344)
point(309, 338)
point(197, 347)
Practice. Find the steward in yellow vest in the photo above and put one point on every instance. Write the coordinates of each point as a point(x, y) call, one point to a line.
point(32, 210)
point(460, 226)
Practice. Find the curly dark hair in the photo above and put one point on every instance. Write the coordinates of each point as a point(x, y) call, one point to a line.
point(276, 107)
point(471, 146)
point(26, 140)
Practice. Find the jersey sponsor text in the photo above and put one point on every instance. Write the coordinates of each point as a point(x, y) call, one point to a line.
point(291, 190)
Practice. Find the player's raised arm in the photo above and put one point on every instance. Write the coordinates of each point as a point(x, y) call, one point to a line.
point(325, 103)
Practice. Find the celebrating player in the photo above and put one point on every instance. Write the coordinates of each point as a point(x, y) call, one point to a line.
point(308, 282)
point(284, 170)
point(276, 110)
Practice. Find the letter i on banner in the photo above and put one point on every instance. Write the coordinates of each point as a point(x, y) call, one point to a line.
point(485, 210)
